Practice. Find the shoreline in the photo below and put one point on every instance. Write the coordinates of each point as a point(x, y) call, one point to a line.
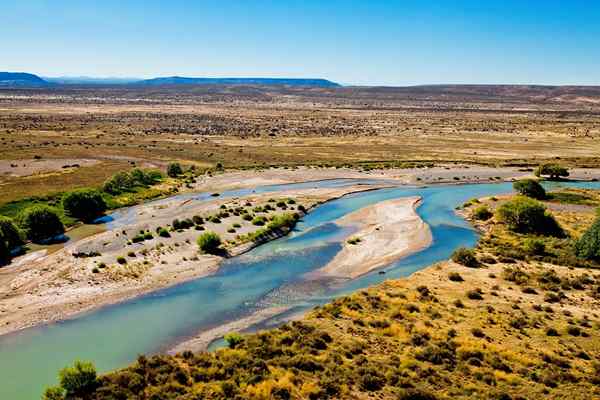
point(90, 297)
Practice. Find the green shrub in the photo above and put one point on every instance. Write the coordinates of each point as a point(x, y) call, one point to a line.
point(465, 257)
point(79, 379)
point(40, 222)
point(554, 171)
point(526, 215)
point(482, 213)
point(121, 260)
point(530, 188)
point(209, 242)
point(174, 170)
point(118, 183)
point(233, 339)
point(534, 246)
point(259, 220)
point(162, 232)
point(85, 204)
point(588, 246)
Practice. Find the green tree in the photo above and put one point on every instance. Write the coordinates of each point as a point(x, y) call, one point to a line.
point(119, 182)
point(526, 215)
point(174, 170)
point(209, 242)
point(79, 379)
point(482, 213)
point(85, 204)
point(530, 188)
point(588, 246)
point(40, 222)
point(554, 171)
point(10, 238)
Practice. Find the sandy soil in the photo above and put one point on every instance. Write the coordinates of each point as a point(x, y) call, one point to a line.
point(387, 231)
point(42, 288)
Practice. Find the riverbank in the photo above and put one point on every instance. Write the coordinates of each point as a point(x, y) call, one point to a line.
point(59, 286)
point(385, 232)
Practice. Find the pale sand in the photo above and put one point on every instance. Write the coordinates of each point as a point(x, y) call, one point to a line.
point(387, 231)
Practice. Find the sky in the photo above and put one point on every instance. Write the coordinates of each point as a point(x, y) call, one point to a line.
point(394, 43)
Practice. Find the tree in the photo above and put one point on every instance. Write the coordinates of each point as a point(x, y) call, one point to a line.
point(85, 204)
point(588, 246)
point(174, 170)
point(10, 238)
point(554, 171)
point(209, 242)
point(40, 222)
point(119, 182)
point(79, 379)
point(526, 215)
point(482, 213)
point(530, 188)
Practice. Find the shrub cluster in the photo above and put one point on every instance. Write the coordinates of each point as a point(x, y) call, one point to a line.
point(530, 188)
point(209, 242)
point(84, 204)
point(127, 181)
point(526, 215)
point(40, 222)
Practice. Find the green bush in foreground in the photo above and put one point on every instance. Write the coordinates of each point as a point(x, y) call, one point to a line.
point(209, 242)
point(526, 215)
point(40, 222)
point(530, 188)
point(588, 246)
point(85, 204)
point(75, 381)
point(465, 257)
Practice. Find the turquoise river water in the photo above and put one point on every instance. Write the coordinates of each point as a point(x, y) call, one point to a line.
point(269, 275)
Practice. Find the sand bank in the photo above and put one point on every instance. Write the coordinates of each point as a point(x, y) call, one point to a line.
point(387, 231)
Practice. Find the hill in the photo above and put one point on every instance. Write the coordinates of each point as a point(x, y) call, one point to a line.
point(178, 80)
point(9, 79)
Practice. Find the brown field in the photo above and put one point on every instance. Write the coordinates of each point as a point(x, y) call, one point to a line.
point(245, 126)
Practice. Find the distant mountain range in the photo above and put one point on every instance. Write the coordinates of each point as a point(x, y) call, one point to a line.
point(21, 79)
point(178, 80)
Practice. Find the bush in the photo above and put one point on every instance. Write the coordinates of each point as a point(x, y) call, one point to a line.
point(10, 238)
point(554, 171)
point(482, 213)
point(530, 188)
point(465, 257)
point(79, 379)
point(121, 260)
point(40, 222)
point(118, 183)
point(588, 246)
point(259, 220)
point(209, 242)
point(525, 215)
point(233, 339)
point(85, 204)
point(534, 246)
point(174, 170)
point(455, 277)
point(162, 232)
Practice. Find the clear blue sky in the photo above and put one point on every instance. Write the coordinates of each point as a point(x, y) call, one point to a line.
point(353, 42)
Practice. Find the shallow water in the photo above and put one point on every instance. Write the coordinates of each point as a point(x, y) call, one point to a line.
point(268, 275)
